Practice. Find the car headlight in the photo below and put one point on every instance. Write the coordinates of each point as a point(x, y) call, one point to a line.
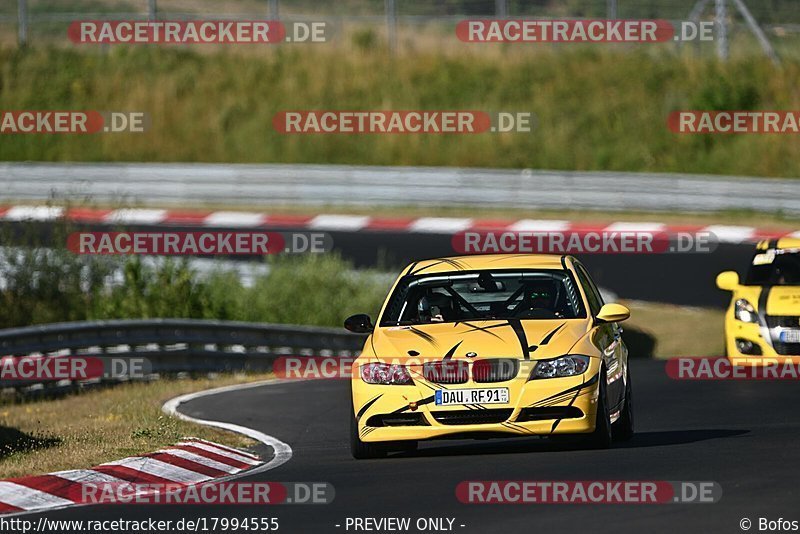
point(744, 311)
point(384, 373)
point(570, 365)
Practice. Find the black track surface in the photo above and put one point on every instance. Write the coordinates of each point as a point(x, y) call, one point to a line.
point(742, 435)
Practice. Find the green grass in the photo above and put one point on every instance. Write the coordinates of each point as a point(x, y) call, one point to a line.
point(597, 109)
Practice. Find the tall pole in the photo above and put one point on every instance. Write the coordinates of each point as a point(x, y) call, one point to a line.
point(391, 25)
point(22, 14)
point(611, 9)
point(151, 9)
point(722, 30)
point(756, 29)
point(501, 9)
point(273, 10)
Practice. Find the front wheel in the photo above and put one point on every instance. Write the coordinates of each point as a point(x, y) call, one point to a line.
point(601, 437)
point(622, 429)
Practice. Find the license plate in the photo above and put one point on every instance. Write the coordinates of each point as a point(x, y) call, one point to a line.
point(790, 336)
point(449, 397)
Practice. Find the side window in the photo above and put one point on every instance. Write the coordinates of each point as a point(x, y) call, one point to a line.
point(592, 294)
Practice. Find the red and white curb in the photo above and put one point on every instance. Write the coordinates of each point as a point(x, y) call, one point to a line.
point(356, 223)
point(191, 461)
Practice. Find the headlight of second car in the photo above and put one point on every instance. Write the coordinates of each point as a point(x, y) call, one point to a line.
point(570, 365)
point(387, 374)
point(744, 311)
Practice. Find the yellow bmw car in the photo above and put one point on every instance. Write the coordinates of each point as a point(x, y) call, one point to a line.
point(762, 324)
point(490, 346)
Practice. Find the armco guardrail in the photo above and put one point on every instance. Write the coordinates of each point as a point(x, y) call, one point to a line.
point(178, 345)
point(198, 184)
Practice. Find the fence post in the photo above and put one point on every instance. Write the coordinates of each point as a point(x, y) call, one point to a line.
point(391, 24)
point(151, 9)
point(273, 10)
point(722, 29)
point(22, 14)
point(501, 9)
point(611, 9)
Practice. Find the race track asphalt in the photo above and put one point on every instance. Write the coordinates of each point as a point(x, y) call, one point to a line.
point(743, 435)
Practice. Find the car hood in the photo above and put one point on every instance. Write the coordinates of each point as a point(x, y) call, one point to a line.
point(536, 339)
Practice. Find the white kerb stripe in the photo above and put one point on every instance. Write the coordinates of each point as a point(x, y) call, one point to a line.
point(87, 476)
point(234, 218)
point(339, 222)
point(544, 225)
point(221, 452)
point(731, 234)
point(224, 447)
point(161, 469)
point(440, 225)
point(625, 226)
point(28, 498)
point(795, 235)
point(141, 216)
point(34, 213)
point(186, 455)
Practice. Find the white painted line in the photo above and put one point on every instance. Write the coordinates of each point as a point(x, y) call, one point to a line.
point(440, 225)
point(186, 455)
point(794, 235)
point(625, 226)
point(33, 213)
point(171, 472)
point(543, 225)
point(28, 498)
point(731, 234)
point(136, 216)
point(339, 222)
point(234, 218)
point(282, 451)
point(221, 452)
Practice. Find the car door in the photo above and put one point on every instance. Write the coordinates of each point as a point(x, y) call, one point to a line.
point(609, 340)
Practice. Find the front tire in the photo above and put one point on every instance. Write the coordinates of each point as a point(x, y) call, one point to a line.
point(622, 429)
point(601, 437)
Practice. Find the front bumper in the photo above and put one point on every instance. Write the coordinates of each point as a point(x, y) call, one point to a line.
point(764, 339)
point(569, 403)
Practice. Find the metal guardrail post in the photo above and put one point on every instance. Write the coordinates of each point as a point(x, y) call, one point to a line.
point(722, 30)
point(273, 10)
point(501, 9)
point(152, 9)
point(611, 9)
point(22, 14)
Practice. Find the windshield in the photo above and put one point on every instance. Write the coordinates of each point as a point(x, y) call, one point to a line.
point(775, 267)
point(484, 295)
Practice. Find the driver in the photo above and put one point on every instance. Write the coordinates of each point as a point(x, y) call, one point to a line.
point(436, 308)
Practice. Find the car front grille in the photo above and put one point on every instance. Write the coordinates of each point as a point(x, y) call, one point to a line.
point(783, 321)
point(786, 349)
point(473, 417)
point(397, 419)
point(446, 372)
point(494, 370)
point(550, 412)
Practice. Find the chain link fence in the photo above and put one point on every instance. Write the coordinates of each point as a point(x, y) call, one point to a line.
point(46, 21)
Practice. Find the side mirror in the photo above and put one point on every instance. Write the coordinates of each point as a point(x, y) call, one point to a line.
point(359, 323)
point(613, 313)
point(728, 280)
